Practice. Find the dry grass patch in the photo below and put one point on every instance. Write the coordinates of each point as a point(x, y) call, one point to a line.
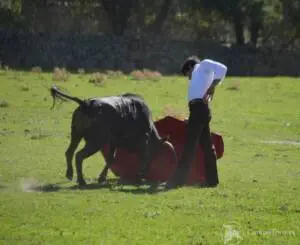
point(81, 71)
point(145, 74)
point(169, 110)
point(4, 104)
point(60, 74)
point(40, 135)
point(152, 75)
point(235, 87)
point(36, 69)
point(116, 73)
point(98, 79)
point(33, 185)
point(24, 88)
point(137, 75)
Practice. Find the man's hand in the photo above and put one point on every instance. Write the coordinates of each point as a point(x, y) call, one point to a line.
point(210, 92)
point(209, 95)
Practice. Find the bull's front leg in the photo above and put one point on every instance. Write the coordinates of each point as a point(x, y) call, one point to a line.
point(144, 156)
point(109, 159)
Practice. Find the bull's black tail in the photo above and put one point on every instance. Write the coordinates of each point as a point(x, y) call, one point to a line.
point(55, 93)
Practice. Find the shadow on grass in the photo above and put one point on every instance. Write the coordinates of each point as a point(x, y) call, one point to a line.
point(111, 184)
point(152, 189)
point(94, 186)
point(48, 188)
point(114, 185)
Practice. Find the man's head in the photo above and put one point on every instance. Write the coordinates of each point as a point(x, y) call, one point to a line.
point(188, 65)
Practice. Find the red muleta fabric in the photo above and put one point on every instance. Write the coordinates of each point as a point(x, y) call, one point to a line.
point(163, 165)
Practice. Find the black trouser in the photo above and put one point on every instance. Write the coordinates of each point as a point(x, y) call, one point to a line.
point(198, 131)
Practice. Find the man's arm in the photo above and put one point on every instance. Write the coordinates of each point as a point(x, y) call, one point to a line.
point(209, 94)
point(219, 69)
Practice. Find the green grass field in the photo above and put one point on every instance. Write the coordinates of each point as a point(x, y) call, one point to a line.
point(258, 195)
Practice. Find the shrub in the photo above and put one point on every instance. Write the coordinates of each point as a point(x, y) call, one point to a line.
point(154, 76)
point(234, 87)
point(116, 73)
point(60, 74)
point(3, 104)
point(145, 74)
point(81, 71)
point(169, 110)
point(36, 69)
point(3, 70)
point(98, 79)
point(137, 75)
point(24, 88)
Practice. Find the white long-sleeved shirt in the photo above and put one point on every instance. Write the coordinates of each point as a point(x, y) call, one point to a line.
point(203, 76)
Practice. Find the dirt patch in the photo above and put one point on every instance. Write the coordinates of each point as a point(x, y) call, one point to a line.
point(33, 185)
point(282, 142)
point(4, 104)
point(29, 185)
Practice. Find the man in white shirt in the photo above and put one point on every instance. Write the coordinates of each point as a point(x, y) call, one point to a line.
point(203, 76)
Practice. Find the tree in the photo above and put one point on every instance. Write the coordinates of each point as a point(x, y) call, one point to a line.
point(119, 12)
point(10, 15)
point(161, 16)
point(291, 21)
point(189, 20)
point(233, 10)
point(256, 15)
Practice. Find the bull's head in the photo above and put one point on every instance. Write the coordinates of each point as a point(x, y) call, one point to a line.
point(160, 144)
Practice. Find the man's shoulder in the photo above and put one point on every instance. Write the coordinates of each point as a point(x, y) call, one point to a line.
point(206, 65)
point(208, 61)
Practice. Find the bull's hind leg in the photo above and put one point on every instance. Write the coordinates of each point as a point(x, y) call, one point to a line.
point(108, 161)
point(84, 153)
point(75, 139)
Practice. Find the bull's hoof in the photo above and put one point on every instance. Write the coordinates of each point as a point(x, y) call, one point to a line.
point(101, 179)
point(81, 182)
point(141, 175)
point(173, 184)
point(69, 174)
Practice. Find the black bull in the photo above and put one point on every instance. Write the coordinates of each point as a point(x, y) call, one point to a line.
point(122, 121)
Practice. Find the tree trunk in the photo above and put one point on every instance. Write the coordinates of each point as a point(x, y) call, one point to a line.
point(238, 22)
point(156, 27)
point(28, 12)
point(254, 32)
point(122, 17)
point(256, 16)
point(119, 12)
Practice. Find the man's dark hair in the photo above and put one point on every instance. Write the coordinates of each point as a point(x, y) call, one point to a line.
point(188, 64)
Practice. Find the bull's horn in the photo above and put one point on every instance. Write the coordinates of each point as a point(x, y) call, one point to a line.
point(170, 146)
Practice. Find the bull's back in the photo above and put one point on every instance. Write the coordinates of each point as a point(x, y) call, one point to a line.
point(91, 125)
point(134, 119)
point(127, 105)
point(124, 118)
